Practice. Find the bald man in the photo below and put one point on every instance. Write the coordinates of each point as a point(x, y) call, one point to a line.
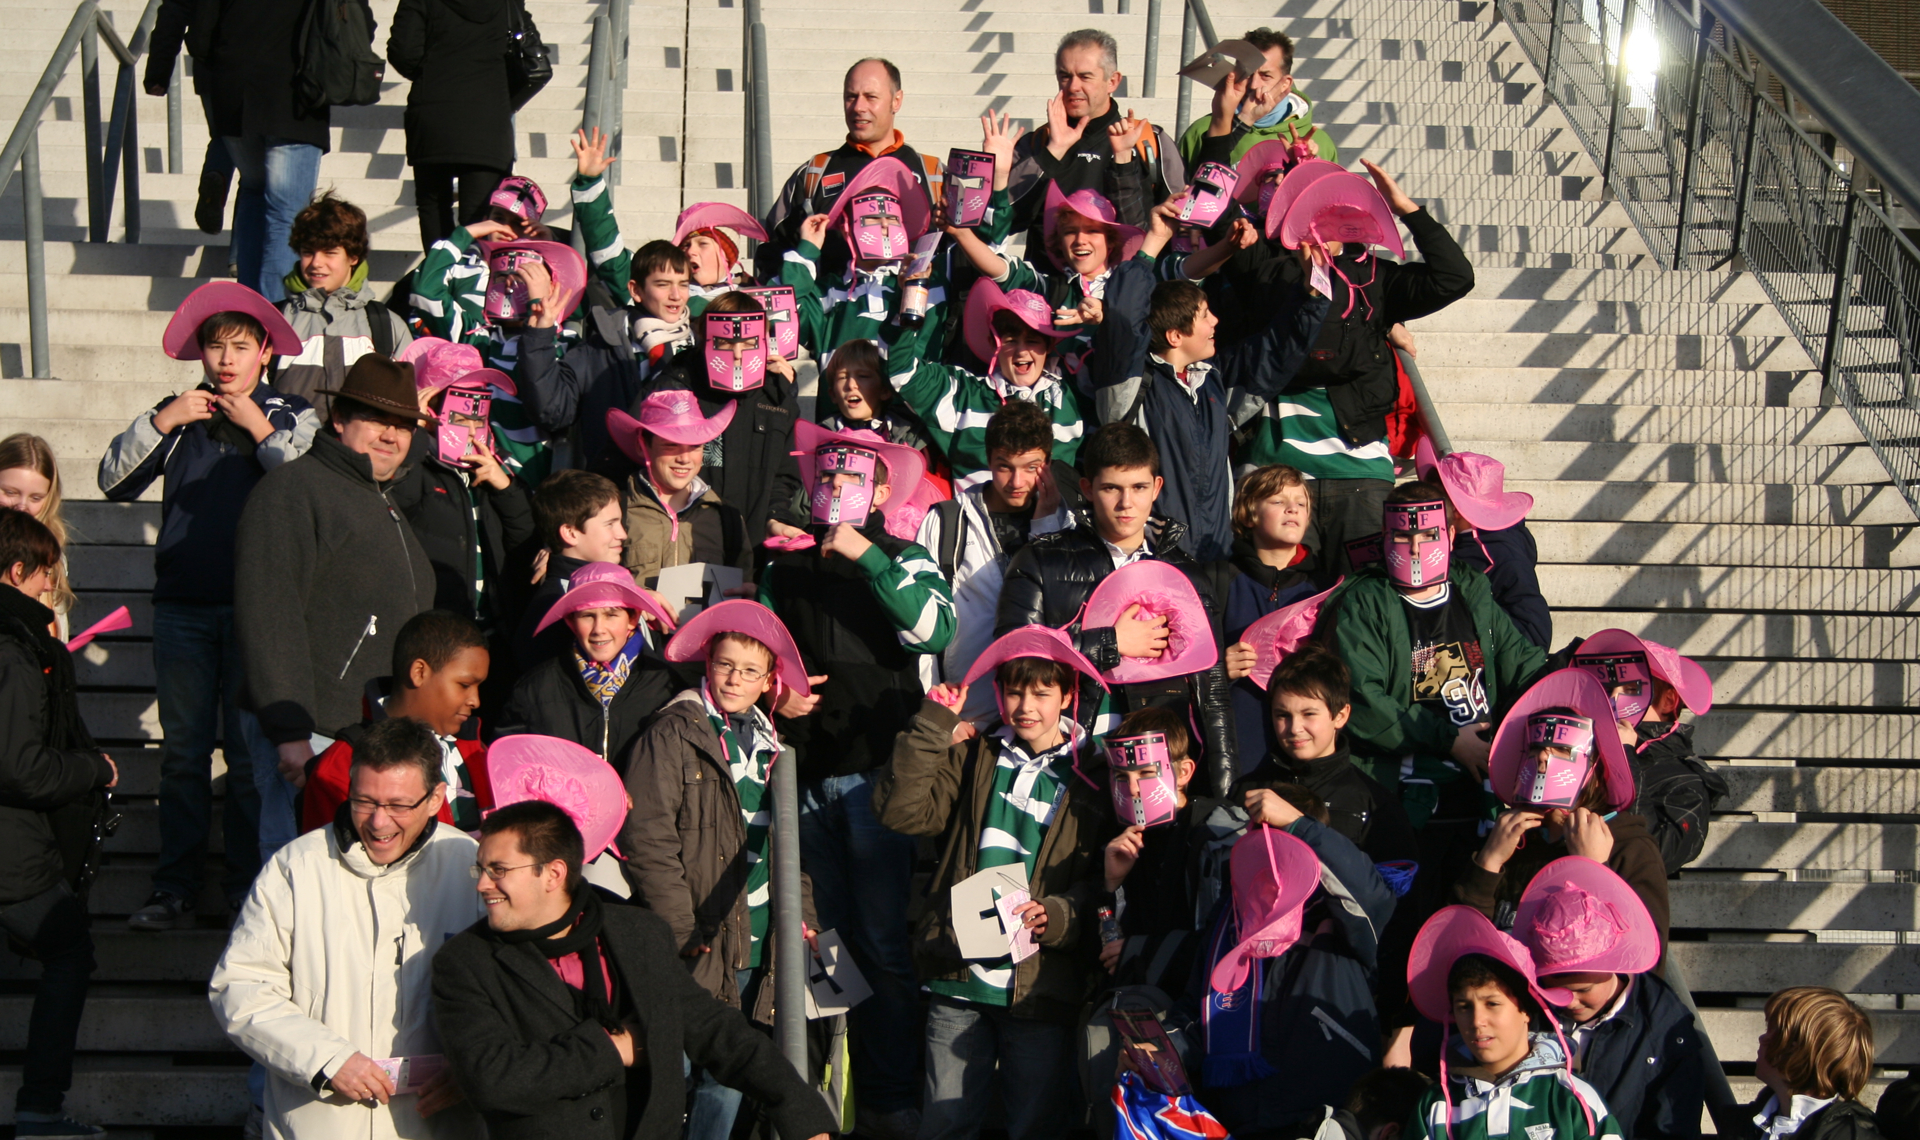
point(871, 96)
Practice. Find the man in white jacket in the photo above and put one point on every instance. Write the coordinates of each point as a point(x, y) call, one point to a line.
point(326, 979)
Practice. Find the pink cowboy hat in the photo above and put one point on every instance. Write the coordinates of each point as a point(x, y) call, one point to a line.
point(905, 522)
point(906, 466)
point(1162, 591)
point(742, 615)
point(1274, 874)
point(1292, 186)
point(600, 584)
point(1279, 633)
point(1475, 484)
point(1344, 208)
point(181, 340)
point(564, 774)
point(1255, 165)
point(1564, 688)
point(986, 299)
point(891, 175)
point(1452, 933)
point(714, 215)
point(439, 363)
point(1578, 917)
point(1094, 206)
point(1683, 673)
point(673, 415)
point(1032, 641)
point(564, 263)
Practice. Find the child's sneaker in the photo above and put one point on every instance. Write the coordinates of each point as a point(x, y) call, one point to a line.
point(64, 1128)
point(164, 911)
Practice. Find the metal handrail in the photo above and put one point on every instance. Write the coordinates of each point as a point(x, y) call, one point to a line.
point(116, 156)
point(759, 114)
point(1674, 99)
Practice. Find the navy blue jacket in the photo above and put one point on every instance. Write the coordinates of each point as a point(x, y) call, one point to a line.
point(210, 467)
point(1647, 1064)
point(1516, 587)
point(1257, 590)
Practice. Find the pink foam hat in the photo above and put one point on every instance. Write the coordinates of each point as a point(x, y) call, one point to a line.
point(1344, 208)
point(1292, 186)
point(181, 340)
point(905, 522)
point(1577, 917)
point(1274, 874)
point(1476, 485)
point(1451, 934)
point(566, 775)
point(1092, 205)
point(1161, 591)
point(1260, 160)
point(715, 215)
point(673, 415)
point(564, 263)
point(745, 616)
point(600, 584)
point(906, 466)
point(987, 298)
point(1279, 633)
point(891, 175)
point(1032, 641)
point(1573, 689)
point(440, 363)
point(1683, 673)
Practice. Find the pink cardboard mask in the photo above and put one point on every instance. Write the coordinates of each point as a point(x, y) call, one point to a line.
point(735, 350)
point(877, 228)
point(507, 298)
point(969, 186)
point(843, 500)
point(1208, 195)
point(1146, 793)
point(1541, 716)
point(1416, 544)
point(463, 424)
point(1619, 661)
point(782, 317)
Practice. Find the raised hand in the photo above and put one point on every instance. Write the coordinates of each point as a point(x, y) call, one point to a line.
point(1062, 133)
point(590, 152)
point(1397, 200)
point(1124, 136)
point(814, 230)
point(998, 133)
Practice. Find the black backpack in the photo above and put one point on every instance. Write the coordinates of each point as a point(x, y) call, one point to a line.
point(337, 65)
point(1676, 794)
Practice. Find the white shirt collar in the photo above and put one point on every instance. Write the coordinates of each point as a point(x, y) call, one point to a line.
point(1774, 1124)
point(1124, 558)
point(1191, 379)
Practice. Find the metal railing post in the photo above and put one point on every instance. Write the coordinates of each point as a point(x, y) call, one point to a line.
point(130, 160)
point(1150, 77)
point(1424, 401)
point(760, 190)
point(1202, 23)
point(176, 144)
point(790, 950)
point(1183, 104)
point(1842, 289)
point(1553, 46)
point(1744, 190)
point(1614, 95)
point(593, 114)
point(615, 105)
point(1696, 81)
point(98, 208)
point(35, 224)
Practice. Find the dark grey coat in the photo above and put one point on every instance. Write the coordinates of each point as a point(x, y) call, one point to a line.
point(326, 571)
point(536, 1069)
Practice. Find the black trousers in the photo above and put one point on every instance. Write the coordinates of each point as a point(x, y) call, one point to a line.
point(433, 197)
point(52, 926)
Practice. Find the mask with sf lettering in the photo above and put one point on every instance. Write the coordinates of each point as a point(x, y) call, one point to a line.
point(735, 350)
point(1145, 790)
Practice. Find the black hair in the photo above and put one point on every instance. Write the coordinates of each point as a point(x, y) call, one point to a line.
point(1024, 672)
point(225, 324)
point(399, 742)
point(25, 539)
point(545, 833)
point(570, 498)
point(1313, 670)
point(436, 637)
point(1470, 970)
point(1018, 427)
point(1118, 445)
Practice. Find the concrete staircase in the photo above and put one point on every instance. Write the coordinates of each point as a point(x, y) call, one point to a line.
point(1692, 481)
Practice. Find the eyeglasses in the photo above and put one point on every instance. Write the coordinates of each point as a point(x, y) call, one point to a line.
point(496, 872)
point(725, 669)
point(365, 806)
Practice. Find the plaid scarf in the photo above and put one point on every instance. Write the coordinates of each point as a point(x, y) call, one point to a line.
point(605, 681)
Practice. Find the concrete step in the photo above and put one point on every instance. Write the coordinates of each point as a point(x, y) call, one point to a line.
point(1738, 589)
point(1809, 737)
point(1786, 637)
point(1766, 904)
point(1717, 544)
point(1647, 288)
point(124, 955)
point(123, 1019)
point(143, 1091)
point(201, 260)
point(1736, 1033)
point(124, 885)
point(1763, 967)
point(1546, 384)
point(139, 831)
point(1810, 847)
point(1598, 424)
point(1851, 684)
point(1709, 463)
point(1865, 791)
point(1608, 350)
point(1499, 315)
point(1745, 504)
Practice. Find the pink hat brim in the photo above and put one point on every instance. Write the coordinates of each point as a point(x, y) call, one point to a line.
point(1483, 510)
point(983, 301)
point(890, 174)
point(564, 774)
point(1279, 633)
point(1684, 674)
point(1563, 688)
point(1263, 859)
point(181, 340)
point(593, 595)
point(1291, 187)
point(906, 466)
point(1164, 590)
point(1088, 204)
point(1032, 641)
point(564, 263)
point(745, 616)
point(626, 430)
point(1349, 191)
point(1253, 166)
point(1453, 932)
point(716, 215)
point(905, 522)
point(1636, 951)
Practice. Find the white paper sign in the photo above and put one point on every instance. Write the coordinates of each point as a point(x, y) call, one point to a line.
point(1022, 946)
point(977, 923)
point(693, 586)
point(834, 984)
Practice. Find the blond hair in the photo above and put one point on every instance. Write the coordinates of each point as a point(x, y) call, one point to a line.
point(23, 449)
point(1819, 1042)
point(1256, 487)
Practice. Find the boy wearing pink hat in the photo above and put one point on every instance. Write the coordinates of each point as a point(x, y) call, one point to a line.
point(1632, 1038)
point(880, 215)
point(672, 516)
point(578, 518)
point(1490, 533)
point(1030, 796)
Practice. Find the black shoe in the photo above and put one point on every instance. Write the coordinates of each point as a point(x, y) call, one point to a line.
point(164, 911)
point(210, 212)
point(65, 1128)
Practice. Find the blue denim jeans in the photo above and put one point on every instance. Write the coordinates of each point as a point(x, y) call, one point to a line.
point(862, 874)
point(279, 800)
point(196, 668)
point(277, 178)
point(965, 1044)
point(710, 1113)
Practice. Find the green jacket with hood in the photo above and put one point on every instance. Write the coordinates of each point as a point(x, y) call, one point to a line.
point(1538, 1099)
point(1196, 147)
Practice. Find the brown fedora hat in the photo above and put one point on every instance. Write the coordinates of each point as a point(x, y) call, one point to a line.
point(382, 384)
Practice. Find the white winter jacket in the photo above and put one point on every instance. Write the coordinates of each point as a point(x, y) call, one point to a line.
point(333, 955)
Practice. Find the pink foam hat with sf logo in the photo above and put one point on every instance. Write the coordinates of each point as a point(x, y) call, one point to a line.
point(1094, 206)
point(1160, 590)
point(1274, 874)
point(1578, 917)
point(750, 618)
point(182, 342)
point(987, 299)
point(568, 776)
point(674, 416)
point(1344, 208)
point(1279, 633)
point(600, 584)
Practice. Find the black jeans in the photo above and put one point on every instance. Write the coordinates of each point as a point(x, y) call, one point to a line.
point(1343, 510)
point(433, 197)
point(53, 927)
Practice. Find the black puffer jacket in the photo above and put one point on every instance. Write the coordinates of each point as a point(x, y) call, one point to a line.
point(50, 771)
point(455, 51)
point(1049, 581)
point(433, 496)
point(552, 700)
point(1358, 806)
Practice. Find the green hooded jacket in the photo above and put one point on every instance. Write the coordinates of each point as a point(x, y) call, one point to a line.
point(1245, 138)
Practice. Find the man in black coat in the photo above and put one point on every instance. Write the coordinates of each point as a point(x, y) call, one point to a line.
point(191, 22)
point(51, 777)
point(459, 117)
point(565, 1014)
point(326, 571)
point(1050, 579)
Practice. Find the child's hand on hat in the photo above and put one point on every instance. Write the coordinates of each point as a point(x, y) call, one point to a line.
point(1062, 133)
point(1137, 638)
point(1504, 839)
point(1123, 851)
point(186, 408)
point(1265, 806)
point(1397, 200)
point(948, 695)
point(1588, 834)
point(814, 230)
point(1123, 136)
point(590, 152)
point(1240, 660)
point(845, 540)
point(497, 231)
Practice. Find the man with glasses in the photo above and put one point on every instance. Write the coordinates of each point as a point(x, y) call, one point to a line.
point(325, 978)
point(565, 1014)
